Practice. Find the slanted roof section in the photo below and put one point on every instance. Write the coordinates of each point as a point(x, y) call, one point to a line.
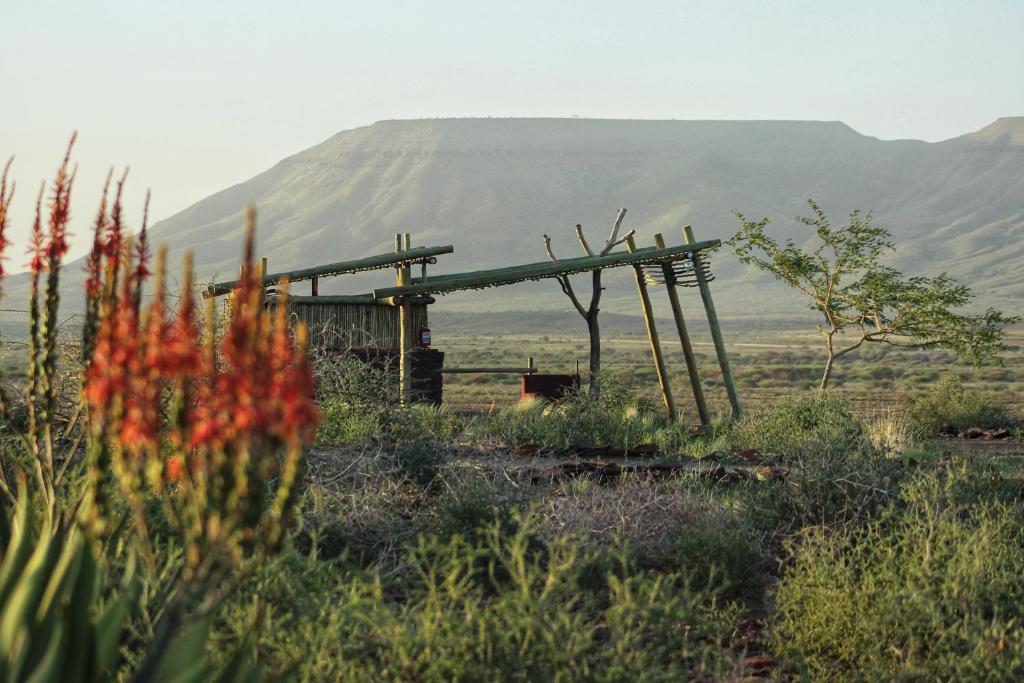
point(480, 279)
point(393, 259)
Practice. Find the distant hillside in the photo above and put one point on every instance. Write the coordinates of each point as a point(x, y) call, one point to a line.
point(492, 187)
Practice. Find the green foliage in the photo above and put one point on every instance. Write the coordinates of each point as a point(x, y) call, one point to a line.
point(614, 417)
point(359, 403)
point(845, 280)
point(505, 602)
point(801, 427)
point(61, 621)
point(419, 460)
point(726, 555)
point(949, 402)
point(357, 400)
point(438, 423)
point(930, 590)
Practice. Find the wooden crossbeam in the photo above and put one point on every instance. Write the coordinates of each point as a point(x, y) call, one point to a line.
point(486, 371)
point(403, 258)
point(439, 284)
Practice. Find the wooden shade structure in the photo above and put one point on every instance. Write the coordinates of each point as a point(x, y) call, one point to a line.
point(392, 314)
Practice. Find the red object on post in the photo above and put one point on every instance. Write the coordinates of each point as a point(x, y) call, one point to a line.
point(424, 337)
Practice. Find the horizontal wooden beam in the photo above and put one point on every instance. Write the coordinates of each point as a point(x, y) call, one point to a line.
point(340, 268)
point(350, 299)
point(567, 263)
point(481, 371)
point(546, 269)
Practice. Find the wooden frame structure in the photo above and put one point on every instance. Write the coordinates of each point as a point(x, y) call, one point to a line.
point(675, 266)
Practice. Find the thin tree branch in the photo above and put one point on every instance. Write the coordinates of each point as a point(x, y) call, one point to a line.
point(583, 240)
point(547, 248)
point(622, 240)
point(563, 282)
point(610, 244)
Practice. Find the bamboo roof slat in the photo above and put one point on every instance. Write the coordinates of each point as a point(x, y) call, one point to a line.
point(332, 299)
point(441, 284)
point(486, 371)
point(376, 262)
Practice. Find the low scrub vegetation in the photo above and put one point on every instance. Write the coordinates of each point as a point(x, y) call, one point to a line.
point(951, 405)
point(928, 589)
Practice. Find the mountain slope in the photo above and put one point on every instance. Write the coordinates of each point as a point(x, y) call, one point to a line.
point(492, 187)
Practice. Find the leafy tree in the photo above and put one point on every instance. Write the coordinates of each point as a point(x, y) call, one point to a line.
point(862, 300)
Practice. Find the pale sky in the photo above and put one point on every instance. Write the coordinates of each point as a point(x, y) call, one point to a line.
point(196, 96)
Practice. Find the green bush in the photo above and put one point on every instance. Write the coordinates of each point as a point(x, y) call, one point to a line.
point(346, 422)
point(436, 422)
point(419, 460)
point(949, 402)
point(728, 556)
point(800, 427)
point(836, 488)
point(930, 590)
point(473, 501)
point(359, 403)
point(616, 418)
point(506, 605)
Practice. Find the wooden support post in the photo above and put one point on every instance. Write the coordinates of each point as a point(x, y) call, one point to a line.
point(529, 363)
point(405, 332)
point(261, 274)
point(652, 334)
point(684, 337)
point(315, 286)
point(716, 330)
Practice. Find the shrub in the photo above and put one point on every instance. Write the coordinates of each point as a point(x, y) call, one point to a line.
point(665, 527)
point(836, 489)
point(801, 427)
point(359, 403)
point(357, 400)
point(473, 501)
point(928, 591)
point(949, 402)
point(438, 423)
point(505, 604)
point(419, 461)
point(615, 417)
point(891, 431)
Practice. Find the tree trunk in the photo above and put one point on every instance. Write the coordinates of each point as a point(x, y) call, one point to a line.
point(595, 352)
point(828, 364)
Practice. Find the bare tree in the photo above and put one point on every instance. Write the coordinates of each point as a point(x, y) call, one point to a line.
point(590, 312)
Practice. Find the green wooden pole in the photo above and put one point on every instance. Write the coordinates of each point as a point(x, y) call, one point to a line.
point(684, 337)
point(404, 327)
point(716, 330)
point(652, 334)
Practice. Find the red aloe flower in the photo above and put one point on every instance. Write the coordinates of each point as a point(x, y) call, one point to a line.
point(174, 469)
point(115, 228)
point(94, 262)
point(35, 249)
point(142, 254)
point(60, 210)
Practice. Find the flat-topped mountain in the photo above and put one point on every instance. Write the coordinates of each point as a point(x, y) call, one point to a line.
point(493, 187)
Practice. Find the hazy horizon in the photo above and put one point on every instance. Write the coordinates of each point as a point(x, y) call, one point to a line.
point(196, 106)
